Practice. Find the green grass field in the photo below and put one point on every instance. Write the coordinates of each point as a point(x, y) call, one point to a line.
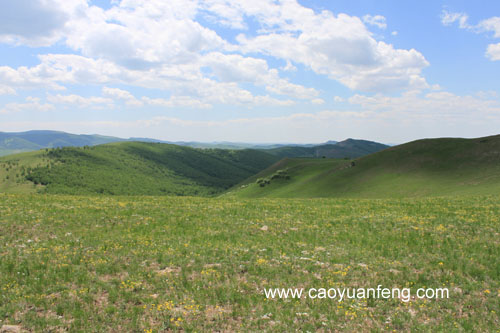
point(149, 264)
point(422, 216)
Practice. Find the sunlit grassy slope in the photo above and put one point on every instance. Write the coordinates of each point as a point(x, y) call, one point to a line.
point(431, 167)
point(130, 168)
point(12, 179)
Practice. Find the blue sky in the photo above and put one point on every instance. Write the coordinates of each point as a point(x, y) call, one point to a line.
point(251, 71)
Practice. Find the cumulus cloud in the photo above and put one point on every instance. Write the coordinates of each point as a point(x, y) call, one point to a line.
point(176, 101)
point(131, 40)
point(123, 95)
point(29, 78)
point(241, 97)
point(491, 24)
point(36, 22)
point(289, 67)
point(168, 47)
point(31, 104)
point(318, 101)
point(141, 34)
point(493, 52)
point(80, 101)
point(448, 18)
point(6, 90)
point(340, 47)
point(237, 68)
point(440, 104)
point(377, 20)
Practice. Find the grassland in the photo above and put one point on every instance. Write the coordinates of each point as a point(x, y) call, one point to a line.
point(130, 168)
point(433, 167)
point(149, 264)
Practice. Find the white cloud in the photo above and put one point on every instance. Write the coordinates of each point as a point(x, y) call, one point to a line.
point(488, 25)
point(129, 44)
point(118, 93)
point(491, 25)
point(121, 94)
point(289, 67)
point(448, 18)
point(318, 101)
point(270, 101)
point(493, 52)
point(284, 87)
point(29, 78)
point(237, 68)
point(340, 47)
point(176, 101)
point(377, 20)
point(31, 104)
point(338, 99)
point(134, 34)
point(5, 90)
point(38, 22)
point(394, 33)
point(80, 101)
point(223, 13)
point(180, 80)
point(438, 105)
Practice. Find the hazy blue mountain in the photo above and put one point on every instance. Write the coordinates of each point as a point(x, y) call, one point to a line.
point(11, 143)
point(33, 140)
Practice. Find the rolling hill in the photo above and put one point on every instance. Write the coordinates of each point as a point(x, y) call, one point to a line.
point(349, 148)
point(130, 168)
point(430, 167)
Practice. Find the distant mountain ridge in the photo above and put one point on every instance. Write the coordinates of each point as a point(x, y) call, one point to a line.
point(349, 148)
point(17, 142)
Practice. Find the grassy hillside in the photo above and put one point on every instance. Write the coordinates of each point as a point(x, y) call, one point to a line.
point(13, 171)
point(130, 168)
point(431, 167)
point(349, 148)
point(178, 264)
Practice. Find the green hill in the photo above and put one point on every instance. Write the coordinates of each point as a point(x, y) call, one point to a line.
point(126, 168)
point(350, 148)
point(431, 167)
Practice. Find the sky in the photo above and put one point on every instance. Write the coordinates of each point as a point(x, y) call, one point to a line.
point(251, 71)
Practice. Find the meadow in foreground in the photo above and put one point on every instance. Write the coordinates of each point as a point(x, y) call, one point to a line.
point(149, 264)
